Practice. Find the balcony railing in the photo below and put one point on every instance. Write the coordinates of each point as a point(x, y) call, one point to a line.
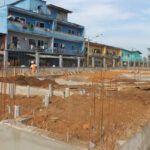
point(29, 27)
point(67, 52)
point(65, 33)
point(31, 50)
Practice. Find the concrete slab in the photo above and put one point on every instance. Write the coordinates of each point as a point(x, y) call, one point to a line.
point(14, 138)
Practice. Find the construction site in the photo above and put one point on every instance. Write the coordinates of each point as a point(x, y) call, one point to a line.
point(87, 109)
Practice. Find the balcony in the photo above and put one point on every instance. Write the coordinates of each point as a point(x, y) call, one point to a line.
point(95, 54)
point(33, 50)
point(17, 26)
point(68, 34)
point(112, 56)
point(59, 51)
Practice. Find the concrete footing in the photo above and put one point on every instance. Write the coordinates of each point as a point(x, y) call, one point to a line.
point(50, 90)
point(17, 112)
point(67, 92)
point(12, 90)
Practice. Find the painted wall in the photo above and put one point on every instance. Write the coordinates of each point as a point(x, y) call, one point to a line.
point(24, 4)
point(32, 5)
point(3, 19)
point(65, 28)
point(68, 46)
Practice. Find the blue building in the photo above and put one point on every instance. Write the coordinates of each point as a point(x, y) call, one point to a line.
point(30, 26)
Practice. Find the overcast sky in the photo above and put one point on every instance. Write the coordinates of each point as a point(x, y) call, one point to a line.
point(123, 23)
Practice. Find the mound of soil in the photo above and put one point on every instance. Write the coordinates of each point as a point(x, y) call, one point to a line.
point(32, 81)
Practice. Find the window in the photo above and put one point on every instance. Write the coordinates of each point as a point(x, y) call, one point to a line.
point(32, 43)
point(69, 31)
point(72, 32)
point(62, 45)
point(58, 28)
point(56, 45)
point(15, 41)
point(72, 47)
point(40, 44)
point(40, 24)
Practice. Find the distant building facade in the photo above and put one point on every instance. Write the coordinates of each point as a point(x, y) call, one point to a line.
point(29, 26)
point(131, 58)
point(101, 55)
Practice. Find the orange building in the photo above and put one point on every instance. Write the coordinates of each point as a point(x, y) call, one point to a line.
point(101, 55)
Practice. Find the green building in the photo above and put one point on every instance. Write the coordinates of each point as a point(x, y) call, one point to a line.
point(131, 58)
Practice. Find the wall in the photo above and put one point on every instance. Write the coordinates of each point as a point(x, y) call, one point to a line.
point(3, 19)
point(68, 46)
point(140, 141)
point(65, 28)
point(131, 56)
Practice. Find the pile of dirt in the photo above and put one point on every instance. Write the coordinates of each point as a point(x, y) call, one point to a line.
point(27, 80)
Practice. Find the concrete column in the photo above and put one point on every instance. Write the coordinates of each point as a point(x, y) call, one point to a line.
point(134, 64)
point(67, 92)
point(5, 59)
point(52, 45)
point(114, 63)
point(9, 109)
point(47, 101)
point(104, 62)
point(17, 112)
point(93, 61)
point(121, 64)
point(37, 60)
point(143, 64)
point(50, 90)
point(128, 64)
point(12, 90)
point(60, 61)
point(28, 91)
point(79, 60)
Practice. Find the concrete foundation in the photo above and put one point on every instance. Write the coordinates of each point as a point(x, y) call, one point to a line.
point(14, 137)
point(140, 141)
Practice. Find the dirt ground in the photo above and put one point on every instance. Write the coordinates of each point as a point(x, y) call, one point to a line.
point(101, 116)
point(82, 117)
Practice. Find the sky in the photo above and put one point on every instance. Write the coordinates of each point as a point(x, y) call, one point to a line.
point(121, 23)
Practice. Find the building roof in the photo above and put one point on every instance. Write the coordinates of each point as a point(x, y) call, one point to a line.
point(18, 1)
point(132, 51)
point(59, 8)
point(99, 44)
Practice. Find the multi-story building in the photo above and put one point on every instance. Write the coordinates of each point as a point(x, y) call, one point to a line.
point(101, 55)
point(131, 58)
point(32, 26)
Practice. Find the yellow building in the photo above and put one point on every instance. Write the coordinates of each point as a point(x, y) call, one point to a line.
point(101, 55)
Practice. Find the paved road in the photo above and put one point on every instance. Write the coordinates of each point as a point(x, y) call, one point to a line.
point(16, 139)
